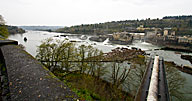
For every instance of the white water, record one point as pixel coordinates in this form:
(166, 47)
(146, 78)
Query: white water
(145, 43)
(83, 37)
(106, 41)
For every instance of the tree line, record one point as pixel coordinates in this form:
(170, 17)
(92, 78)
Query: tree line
(6, 30)
(67, 57)
(178, 17)
(181, 24)
(63, 56)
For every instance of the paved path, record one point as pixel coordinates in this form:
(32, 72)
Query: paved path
(29, 80)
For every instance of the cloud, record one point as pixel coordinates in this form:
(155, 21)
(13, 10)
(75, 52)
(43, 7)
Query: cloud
(70, 12)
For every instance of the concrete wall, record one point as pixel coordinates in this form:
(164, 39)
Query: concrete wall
(30, 80)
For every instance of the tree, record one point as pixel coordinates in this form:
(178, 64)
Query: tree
(133, 82)
(3, 28)
(81, 58)
(65, 56)
(175, 82)
(67, 53)
(45, 53)
(119, 74)
(56, 54)
(96, 67)
(2, 21)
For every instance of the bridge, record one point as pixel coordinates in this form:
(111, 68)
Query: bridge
(154, 85)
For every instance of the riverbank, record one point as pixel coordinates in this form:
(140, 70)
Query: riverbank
(123, 54)
(187, 57)
(15, 30)
(185, 69)
(112, 40)
(177, 48)
(181, 47)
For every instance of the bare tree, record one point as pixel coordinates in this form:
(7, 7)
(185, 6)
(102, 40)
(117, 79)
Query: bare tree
(119, 74)
(175, 83)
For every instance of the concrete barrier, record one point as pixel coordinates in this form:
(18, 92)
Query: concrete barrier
(154, 83)
(153, 87)
(8, 42)
(30, 80)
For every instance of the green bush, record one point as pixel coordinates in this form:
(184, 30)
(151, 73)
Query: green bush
(3, 31)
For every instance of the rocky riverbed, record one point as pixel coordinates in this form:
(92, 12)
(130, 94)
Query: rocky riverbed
(187, 57)
(111, 40)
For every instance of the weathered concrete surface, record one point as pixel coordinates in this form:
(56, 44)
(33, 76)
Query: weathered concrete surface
(29, 80)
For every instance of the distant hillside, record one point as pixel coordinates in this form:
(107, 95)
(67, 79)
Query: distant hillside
(184, 17)
(51, 28)
(182, 26)
(6, 30)
(15, 30)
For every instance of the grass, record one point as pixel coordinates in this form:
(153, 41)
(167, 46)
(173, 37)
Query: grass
(88, 87)
(84, 86)
(141, 56)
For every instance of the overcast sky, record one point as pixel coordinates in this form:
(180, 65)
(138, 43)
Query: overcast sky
(75, 12)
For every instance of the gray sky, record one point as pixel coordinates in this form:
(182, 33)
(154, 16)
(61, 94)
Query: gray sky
(75, 12)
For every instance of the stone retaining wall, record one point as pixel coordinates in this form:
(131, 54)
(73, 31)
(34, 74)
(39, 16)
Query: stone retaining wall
(30, 80)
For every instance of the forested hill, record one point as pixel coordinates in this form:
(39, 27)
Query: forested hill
(181, 24)
(40, 28)
(6, 30)
(15, 30)
(178, 17)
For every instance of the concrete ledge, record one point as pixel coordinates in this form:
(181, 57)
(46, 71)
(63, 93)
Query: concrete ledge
(29, 80)
(8, 42)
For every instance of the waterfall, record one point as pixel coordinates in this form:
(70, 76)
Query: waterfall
(106, 41)
(83, 37)
(145, 43)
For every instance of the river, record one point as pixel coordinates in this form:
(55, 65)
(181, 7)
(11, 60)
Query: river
(34, 39)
